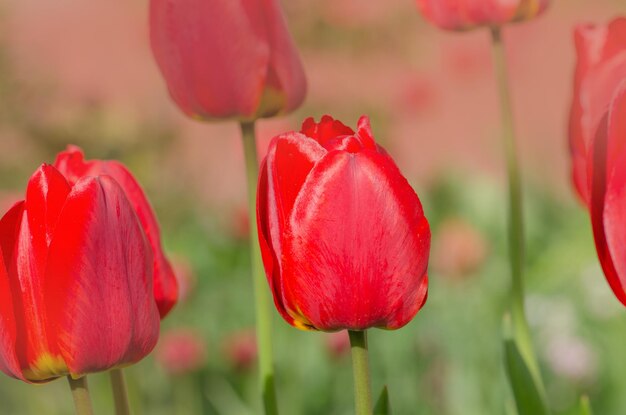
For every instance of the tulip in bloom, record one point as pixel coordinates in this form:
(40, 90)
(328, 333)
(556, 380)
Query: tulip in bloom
(600, 68)
(73, 166)
(76, 275)
(343, 235)
(469, 14)
(227, 58)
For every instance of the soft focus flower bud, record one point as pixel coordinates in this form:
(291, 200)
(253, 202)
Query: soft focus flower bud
(240, 349)
(459, 249)
(74, 167)
(468, 14)
(181, 352)
(76, 274)
(227, 58)
(600, 68)
(343, 235)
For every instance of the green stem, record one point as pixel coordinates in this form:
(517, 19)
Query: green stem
(120, 396)
(262, 299)
(515, 216)
(361, 371)
(80, 393)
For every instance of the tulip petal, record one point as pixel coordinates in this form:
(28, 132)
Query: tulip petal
(369, 270)
(72, 165)
(600, 68)
(611, 215)
(289, 160)
(285, 72)
(98, 280)
(9, 362)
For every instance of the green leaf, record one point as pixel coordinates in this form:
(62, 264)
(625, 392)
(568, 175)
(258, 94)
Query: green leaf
(528, 398)
(585, 406)
(383, 407)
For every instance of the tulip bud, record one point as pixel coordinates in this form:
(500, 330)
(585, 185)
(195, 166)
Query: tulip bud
(76, 274)
(227, 58)
(469, 14)
(181, 352)
(343, 235)
(600, 68)
(74, 167)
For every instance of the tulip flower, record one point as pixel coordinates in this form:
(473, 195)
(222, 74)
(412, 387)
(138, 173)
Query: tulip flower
(227, 58)
(607, 192)
(600, 68)
(76, 275)
(469, 14)
(74, 167)
(344, 239)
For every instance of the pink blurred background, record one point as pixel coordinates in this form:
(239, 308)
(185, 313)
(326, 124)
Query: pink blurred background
(430, 94)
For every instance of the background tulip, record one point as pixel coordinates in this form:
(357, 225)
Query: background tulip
(344, 239)
(468, 14)
(227, 58)
(608, 193)
(600, 68)
(76, 280)
(72, 164)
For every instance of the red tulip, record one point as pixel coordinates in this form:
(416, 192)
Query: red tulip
(344, 239)
(74, 167)
(227, 58)
(468, 14)
(600, 68)
(76, 275)
(608, 192)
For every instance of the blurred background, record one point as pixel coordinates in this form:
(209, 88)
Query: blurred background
(81, 72)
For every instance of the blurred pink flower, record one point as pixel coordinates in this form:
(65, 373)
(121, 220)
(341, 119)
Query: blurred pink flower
(571, 357)
(240, 349)
(459, 248)
(181, 351)
(337, 344)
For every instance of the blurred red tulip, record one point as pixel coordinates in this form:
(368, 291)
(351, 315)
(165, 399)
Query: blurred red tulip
(181, 352)
(227, 58)
(468, 14)
(608, 193)
(76, 275)
(240, 349)
(600, 68)
(74, 167)
(344, 239)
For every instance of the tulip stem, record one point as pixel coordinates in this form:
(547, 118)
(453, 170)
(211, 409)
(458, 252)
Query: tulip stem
(80, 393)
(120, 396)
(262, 299)
(361, 372)
(515, 216)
